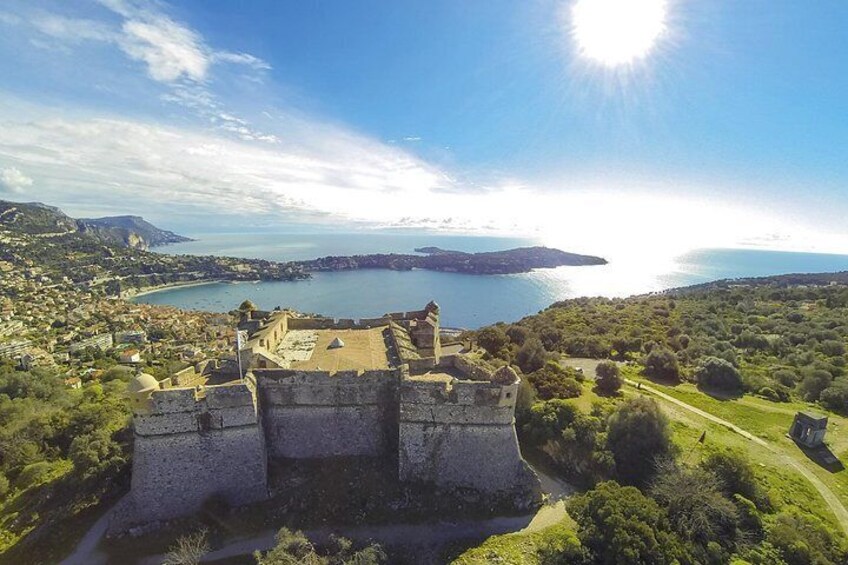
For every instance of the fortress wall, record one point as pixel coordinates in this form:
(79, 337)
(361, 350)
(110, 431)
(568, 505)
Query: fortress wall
(466, 367)
(452, 414)
(461, 434)
(190, 447)
(310, 414)
(173, 475)
(418, 366)
(482, 457)
(311, 323)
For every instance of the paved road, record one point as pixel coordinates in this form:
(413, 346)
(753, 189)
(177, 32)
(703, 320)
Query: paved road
(832, 500)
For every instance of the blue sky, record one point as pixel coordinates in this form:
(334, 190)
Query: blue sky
(463, 116)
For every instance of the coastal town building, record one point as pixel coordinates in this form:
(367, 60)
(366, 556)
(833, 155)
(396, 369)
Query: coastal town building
(319, 388)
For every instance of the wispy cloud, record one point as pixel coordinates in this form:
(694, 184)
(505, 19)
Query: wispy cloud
(13, 180)
(170, 52)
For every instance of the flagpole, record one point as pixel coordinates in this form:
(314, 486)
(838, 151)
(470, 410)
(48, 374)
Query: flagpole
(238, 354)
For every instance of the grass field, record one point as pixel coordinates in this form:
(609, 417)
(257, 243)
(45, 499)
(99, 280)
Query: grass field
(769, 421)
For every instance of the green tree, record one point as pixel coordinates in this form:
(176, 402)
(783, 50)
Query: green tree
(718, 374)
(95, 452)
(532, 355)
(661, 363)
(638, 436)
(555, 381)
(621, 526)
(696, 507)
(835, 397)
(493, 339)
(608, 377)
(813, 383)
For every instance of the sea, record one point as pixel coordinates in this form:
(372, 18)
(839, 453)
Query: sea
(467, 301)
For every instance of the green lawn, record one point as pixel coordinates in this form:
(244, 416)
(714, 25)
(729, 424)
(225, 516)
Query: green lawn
(770, 421)
(521, 548)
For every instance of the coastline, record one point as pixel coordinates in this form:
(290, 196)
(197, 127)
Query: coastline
(135, 293)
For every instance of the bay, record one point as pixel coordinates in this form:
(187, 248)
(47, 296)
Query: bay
(467, 301)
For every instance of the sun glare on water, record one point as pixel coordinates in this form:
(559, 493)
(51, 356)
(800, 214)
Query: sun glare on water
(617, 32)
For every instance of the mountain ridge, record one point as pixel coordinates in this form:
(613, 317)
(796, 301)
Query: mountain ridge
(39, 219)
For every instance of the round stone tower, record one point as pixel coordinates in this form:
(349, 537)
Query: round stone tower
(139, 391)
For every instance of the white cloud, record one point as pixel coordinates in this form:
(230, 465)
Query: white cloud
(327, 174)
(13, 180)
(242, 59)
(170, 51)
(9, 19)
(74, 30)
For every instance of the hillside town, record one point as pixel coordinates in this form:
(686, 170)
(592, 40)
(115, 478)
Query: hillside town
(66, 318)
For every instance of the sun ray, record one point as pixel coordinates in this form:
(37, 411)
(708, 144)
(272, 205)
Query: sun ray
(617, 32)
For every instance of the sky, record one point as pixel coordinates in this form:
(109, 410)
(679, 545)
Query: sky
(595, 125)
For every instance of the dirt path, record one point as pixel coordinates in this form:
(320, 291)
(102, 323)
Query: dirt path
(424, 540)
(829, 497)
(86, 551)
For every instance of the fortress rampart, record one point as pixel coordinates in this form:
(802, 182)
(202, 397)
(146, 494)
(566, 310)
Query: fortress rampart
(195, 444)
(446, 420)
(312, 414)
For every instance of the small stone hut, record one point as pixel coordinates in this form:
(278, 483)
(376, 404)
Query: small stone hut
(808, 429)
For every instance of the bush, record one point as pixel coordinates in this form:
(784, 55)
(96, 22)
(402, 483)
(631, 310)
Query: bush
(697, 509)
(835, 397)
(735, 475)
(638, 435)
(34, 474)
(813, 383)
(532, 356)
(492, 339)
(608, 377)
(785, 377)
(662, 364)
(718, 374)
(621, 525)
(776, 394)
(555, 381)
(803, 539)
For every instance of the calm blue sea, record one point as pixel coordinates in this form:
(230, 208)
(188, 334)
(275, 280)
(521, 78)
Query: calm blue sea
(466, 300)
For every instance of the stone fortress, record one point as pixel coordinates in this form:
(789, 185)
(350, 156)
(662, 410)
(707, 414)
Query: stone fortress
(316, 388)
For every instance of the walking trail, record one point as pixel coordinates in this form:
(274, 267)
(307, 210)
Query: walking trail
(424, 540)
(829, 497)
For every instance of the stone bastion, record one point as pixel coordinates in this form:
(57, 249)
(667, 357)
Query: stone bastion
(446, 420)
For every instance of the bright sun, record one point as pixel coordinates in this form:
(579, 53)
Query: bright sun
(617, 32)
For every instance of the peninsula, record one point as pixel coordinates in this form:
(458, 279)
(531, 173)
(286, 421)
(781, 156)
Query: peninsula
(519, 260)
(110, 256)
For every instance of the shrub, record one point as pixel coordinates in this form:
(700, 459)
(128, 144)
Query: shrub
(555, 381)
(621, 525)
(661, 363)
(35, 474)
(638, 435)
(814, 382)
(835, 397)
(734, 473)
(532, 356)
(697, 510)
(608, 377)
(719, 374)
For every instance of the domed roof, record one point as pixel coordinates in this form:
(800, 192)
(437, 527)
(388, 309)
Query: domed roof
(143, 383)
